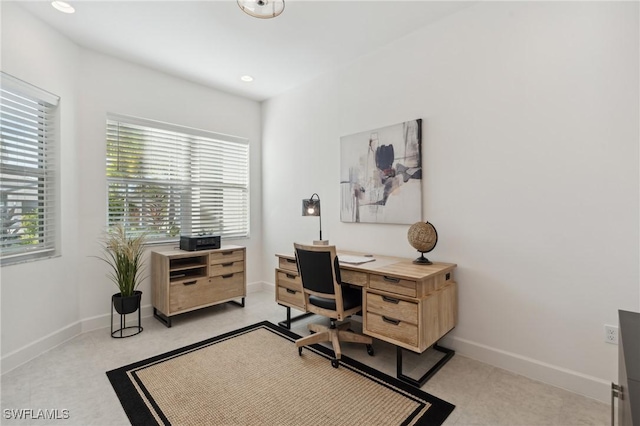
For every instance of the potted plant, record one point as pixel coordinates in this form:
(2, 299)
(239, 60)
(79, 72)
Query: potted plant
(123, 254)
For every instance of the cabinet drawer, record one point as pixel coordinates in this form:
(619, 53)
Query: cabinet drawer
(288, 280)
(392, 307)
(226, 268)
(288, 264)
(228, 286)
(392, 329)
(190, 293)
(226, 256)
(393, 285)
(290, 297)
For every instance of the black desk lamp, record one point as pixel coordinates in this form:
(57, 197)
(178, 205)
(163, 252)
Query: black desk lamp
(311, 207)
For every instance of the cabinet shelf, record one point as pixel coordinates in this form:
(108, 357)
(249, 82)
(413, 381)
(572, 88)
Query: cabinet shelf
(181, 264)
(187, 273)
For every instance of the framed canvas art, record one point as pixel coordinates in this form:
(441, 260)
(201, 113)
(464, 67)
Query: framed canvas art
(381, 175)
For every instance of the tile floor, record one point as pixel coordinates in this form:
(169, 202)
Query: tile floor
(72, 375)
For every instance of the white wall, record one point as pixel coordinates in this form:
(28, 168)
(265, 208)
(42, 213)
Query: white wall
(530, 154)
(113, 86)
(46, 302)
(39, 299)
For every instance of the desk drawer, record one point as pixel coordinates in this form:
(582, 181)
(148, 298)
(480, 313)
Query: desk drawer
(360, 279)
(288, 264)
(392, 308)
(392, 329)
(288, 280)
(393, 285)
(226, 256)
(290, 297)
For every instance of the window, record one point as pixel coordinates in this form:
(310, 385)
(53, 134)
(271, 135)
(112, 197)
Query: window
(168, 180)
(28, 144)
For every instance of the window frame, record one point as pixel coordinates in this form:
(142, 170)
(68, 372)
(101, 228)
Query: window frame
(179, 190)
(47, 144)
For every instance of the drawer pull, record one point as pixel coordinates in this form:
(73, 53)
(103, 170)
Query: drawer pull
(227, 276)
(291, 291)
(227, 253)
(290, 260)
(291, 276)
(391, 279)
(390, 299)
(390, 320)
(224, 265)
(190, 282)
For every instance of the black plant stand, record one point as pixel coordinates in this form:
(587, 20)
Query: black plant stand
(123, 326)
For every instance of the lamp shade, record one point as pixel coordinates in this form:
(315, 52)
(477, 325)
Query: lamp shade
(311, 207)
(262, 8)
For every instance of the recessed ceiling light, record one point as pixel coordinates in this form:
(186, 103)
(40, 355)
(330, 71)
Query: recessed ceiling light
(63, 6)
(246, 78)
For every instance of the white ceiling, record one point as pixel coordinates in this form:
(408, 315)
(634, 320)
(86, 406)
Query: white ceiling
(214, 43)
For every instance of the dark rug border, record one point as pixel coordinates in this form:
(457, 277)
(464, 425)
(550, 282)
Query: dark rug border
(138, 413)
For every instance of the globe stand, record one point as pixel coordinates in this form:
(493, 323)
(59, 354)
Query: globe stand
(422, 260)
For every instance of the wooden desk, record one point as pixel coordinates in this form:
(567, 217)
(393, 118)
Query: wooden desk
(411, 306)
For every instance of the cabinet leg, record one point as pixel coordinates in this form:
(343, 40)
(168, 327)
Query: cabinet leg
(162, 318)
(241, 304)
(422, 380)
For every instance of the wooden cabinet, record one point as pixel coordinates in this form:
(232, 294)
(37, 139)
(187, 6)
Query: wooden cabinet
(628, 389)
(182, 281)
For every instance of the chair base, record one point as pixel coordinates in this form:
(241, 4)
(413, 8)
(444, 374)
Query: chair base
(334, 334)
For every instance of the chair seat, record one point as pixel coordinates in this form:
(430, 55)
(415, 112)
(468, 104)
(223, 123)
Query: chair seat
(351, 298)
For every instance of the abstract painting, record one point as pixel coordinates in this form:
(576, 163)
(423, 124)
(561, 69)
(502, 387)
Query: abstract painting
(381, 175)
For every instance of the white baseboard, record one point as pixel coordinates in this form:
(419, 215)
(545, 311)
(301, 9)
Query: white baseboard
(259, 286)
(37, 348)
(563, 378)
(102, 321)
(40, 346)
(570, 380)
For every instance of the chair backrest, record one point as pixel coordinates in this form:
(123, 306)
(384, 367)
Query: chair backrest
(316, 266)
(319, 271)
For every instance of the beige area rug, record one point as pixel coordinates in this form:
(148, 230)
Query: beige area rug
(254, 376)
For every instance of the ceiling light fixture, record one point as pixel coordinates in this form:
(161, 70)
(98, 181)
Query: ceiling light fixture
(246, 78)
(262, 8)
(63, 6)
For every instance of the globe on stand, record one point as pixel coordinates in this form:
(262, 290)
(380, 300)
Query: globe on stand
(423, 237)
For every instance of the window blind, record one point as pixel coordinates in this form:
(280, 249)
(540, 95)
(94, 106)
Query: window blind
(167, 180)
(28, 203)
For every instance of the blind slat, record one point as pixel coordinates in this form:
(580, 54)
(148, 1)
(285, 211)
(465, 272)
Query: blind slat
(172, 182)
(28, 196)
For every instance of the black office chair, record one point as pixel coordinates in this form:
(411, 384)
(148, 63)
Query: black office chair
(325, 295)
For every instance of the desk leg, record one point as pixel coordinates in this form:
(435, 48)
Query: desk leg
(422, 380)
(287, 323)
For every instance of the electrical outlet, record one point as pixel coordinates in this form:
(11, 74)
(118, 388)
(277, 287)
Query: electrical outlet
(611, 334)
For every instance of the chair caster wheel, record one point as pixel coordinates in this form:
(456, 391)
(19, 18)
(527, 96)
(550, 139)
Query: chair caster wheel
(370, 350)
(335, 363)
(300, 351)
